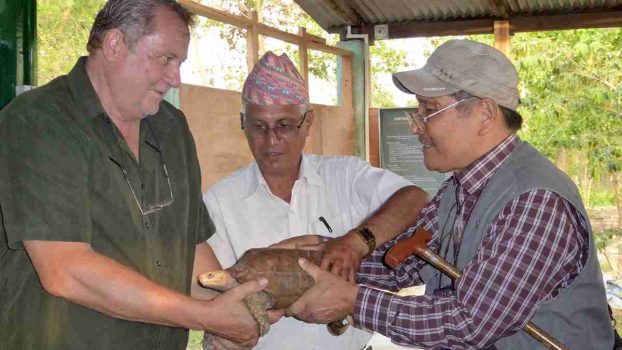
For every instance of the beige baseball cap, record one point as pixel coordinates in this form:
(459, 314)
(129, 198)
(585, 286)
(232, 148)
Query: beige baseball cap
(476, 68)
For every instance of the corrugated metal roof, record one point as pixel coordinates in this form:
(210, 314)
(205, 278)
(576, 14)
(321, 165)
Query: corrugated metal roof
(335, 14)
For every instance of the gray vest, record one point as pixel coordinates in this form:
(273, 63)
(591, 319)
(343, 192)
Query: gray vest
(578, 315)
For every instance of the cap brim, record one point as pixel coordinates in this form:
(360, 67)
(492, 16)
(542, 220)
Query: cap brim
(423, 83)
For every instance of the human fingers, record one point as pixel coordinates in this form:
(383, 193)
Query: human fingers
(230, 318)
(249, 287)
(212, 342)
(316, 246)
(336, 267)
(296, 307)
(225, 344)
(345, 272)
(352, 276)
(313, 270)
(301, 304)
(295, 242)
(331, 253)
(275, 315)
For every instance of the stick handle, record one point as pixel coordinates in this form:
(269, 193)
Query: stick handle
(418, 244)
(403, 249)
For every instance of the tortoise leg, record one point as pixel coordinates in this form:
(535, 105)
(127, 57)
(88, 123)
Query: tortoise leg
(257, 303)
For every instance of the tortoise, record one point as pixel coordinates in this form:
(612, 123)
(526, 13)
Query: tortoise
(286, 281)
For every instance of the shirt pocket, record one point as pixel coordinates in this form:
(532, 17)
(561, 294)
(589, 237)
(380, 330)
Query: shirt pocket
(339, 224)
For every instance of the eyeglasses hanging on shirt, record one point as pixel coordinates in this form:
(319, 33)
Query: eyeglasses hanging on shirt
(159, 204)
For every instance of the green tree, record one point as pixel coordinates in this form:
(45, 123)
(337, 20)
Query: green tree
(384, 61)
(572, 101)
(63, 28)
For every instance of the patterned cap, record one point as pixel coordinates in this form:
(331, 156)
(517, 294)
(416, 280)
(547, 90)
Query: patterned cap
(274, 81)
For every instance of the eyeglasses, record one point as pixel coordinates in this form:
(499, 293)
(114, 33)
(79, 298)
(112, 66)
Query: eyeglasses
(282, 130)
(155, 207)
(420, 121)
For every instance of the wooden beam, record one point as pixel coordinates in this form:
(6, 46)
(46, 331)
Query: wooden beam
(439, 28)
(329, 49)
(518, 24)
(568, 21)
(315, 38)
(502, 36)
(262, 29)
(215, 14)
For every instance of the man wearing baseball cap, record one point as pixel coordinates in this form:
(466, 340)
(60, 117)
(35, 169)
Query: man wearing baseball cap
(507, 218)
(289, 198)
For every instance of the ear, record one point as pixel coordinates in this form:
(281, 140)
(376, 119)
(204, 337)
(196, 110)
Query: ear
(489, 115)
(113, 45)
(309, 120)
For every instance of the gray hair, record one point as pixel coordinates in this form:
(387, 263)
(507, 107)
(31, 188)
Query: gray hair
(135, 18)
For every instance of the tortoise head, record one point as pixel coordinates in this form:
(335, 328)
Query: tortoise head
(219, 280)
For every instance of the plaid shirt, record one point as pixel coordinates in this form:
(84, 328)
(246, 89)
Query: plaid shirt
(534, 248)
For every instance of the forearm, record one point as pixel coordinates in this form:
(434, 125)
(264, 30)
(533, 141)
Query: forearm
(106, 286)
(423, 321)
(75, 272)
(204, 260)
(395, 216)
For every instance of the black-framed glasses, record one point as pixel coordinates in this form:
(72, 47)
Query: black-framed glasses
(282, 130)
(150, 209)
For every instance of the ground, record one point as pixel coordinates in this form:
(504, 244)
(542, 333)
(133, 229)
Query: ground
(194, 343)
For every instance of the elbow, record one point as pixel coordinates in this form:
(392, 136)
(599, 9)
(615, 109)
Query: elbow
(56, 284)
(57, 263)
(418, 197)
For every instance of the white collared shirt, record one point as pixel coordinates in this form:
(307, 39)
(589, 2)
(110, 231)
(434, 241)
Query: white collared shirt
(341, 189)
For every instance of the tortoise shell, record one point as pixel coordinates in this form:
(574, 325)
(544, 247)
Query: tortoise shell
(286, 280)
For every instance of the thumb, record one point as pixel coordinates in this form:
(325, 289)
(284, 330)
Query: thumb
(296, 308)
(249, 287)
(310, 268)
(316, 246)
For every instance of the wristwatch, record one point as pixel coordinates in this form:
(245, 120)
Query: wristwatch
(368, 237)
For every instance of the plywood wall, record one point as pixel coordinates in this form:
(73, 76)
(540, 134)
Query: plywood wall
(214, 119)
(374, 137)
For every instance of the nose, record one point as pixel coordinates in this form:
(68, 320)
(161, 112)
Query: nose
(173, 75)
(273, 137)
(415, 129)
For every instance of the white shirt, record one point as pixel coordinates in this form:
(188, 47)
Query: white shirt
(343, 190)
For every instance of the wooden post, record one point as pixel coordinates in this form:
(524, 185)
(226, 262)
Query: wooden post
(502, 36)
(303, 55)
(374, 137)
(252, 41)
(346, 82)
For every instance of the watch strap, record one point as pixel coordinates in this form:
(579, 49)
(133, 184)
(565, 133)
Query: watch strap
(369, 238)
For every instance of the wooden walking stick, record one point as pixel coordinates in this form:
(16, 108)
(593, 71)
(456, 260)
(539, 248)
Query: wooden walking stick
(418, 244)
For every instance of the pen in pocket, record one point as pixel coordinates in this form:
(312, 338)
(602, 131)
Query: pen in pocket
(321, 218)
